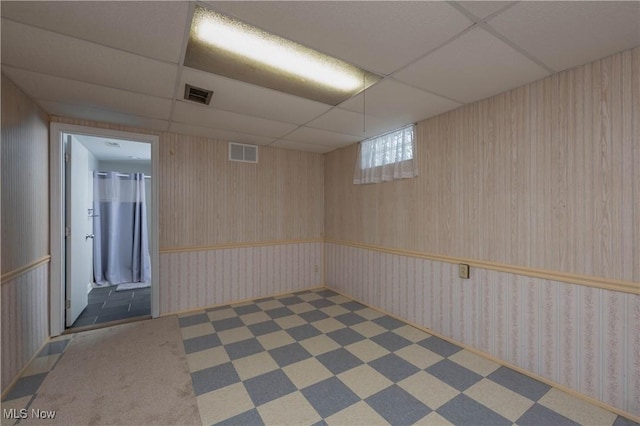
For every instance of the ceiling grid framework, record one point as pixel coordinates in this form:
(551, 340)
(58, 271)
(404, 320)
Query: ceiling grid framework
(123, 62)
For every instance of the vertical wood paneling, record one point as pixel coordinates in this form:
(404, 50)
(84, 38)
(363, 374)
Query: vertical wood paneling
(634, 202)
(550, 324)
(25, 228)
(632, 352)
(500, 317)
(590, 340)
(24, 320)
(544, 176)
(581, 337)
(486, 334)
(190, 280)
(532, 326)
(206, 200)
(515, 325)
(210, 200)
(568, 336)
(614, 322)
(25, 179)
(626, 160)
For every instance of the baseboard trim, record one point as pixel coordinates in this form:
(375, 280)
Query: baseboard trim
(235, 302)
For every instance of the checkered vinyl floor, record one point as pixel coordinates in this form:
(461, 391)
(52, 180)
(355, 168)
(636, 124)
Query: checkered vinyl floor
(316, 357)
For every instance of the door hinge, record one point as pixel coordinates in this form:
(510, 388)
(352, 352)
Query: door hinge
(68, 304)
(67, 157)
(67, 231)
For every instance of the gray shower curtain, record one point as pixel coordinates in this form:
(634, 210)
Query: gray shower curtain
(121, 244)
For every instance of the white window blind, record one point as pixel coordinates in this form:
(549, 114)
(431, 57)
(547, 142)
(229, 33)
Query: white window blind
(387, 157)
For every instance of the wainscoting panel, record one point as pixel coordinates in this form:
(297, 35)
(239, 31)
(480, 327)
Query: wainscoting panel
(25, 179)
(24, 319)
(195, 279)
(581, 337)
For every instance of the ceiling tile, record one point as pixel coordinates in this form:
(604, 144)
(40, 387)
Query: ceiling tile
(74, 110)
(236, 96)
(206, 116)
(51, 53)
(100, 148)
(208, 132)
(299, 146)
(482, 9)
(407, 104)
(321, 137)
(343, 121)
(474, 66)
(57, 89)
(378, 36)
(569, 34)
(152, 29)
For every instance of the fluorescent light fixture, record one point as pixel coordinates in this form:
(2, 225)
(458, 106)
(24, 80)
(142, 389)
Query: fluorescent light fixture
(278, 53)
(223, 45)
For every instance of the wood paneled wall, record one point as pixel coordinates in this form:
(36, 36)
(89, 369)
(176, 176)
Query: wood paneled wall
(25, 179)
(25, 229)
(207, 201)
(583, 338)
(545, 176)
(196, 279)
(25, 320)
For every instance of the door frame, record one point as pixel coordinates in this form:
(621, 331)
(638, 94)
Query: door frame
(57, 217)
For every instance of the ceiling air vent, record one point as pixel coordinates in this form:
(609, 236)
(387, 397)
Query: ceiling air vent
(243, 152)
(198, 95)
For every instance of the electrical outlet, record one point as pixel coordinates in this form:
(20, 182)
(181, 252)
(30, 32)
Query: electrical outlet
(463, 270)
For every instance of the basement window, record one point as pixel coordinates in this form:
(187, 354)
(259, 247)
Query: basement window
(387, 157)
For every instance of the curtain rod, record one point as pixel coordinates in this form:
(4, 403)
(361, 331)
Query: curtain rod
(121, 175)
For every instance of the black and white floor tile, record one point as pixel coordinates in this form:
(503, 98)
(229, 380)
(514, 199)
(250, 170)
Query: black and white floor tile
(317, 357)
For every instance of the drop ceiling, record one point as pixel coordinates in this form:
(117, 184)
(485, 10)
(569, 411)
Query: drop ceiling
(122, 62)
(106, 149)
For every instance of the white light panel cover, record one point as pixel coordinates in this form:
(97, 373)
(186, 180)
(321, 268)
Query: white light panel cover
(226, 46)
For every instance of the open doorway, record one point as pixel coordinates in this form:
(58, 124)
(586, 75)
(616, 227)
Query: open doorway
(103, 198)
(108, 268)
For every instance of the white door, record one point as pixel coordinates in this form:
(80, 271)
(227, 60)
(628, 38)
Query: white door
(79, 242)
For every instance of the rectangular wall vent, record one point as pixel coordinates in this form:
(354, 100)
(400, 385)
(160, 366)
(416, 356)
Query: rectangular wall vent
(243, 152)
(196, 94)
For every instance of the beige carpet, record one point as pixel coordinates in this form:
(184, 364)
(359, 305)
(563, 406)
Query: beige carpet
(131, 374)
